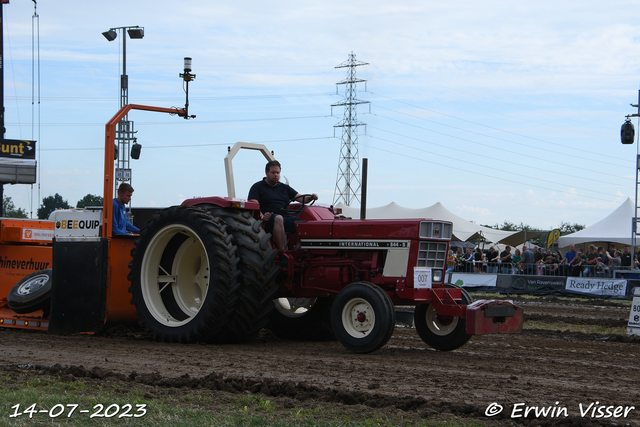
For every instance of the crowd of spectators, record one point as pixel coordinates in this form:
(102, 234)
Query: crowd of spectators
(596, 262)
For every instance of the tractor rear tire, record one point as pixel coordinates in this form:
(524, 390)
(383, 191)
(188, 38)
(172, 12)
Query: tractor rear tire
(184, 275)
(363, 317)
(257, 286)
(304, 319)
(31, 293)
(444, 333)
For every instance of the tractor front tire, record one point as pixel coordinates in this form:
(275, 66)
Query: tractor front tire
(444, 333)
(363, 317)
(31, 293)
(184, 275)
(304, 319)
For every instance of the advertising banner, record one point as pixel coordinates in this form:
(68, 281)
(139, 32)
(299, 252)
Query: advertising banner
(633, 327)
(471, 280)
(18, 152)
(537, 283)
(597, 286)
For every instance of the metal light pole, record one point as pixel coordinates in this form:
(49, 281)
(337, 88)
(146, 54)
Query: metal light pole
(124, 132)
(627, 133)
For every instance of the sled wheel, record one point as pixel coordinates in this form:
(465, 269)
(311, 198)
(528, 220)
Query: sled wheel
(444, 333)
(257, 268)
(363, 317)
(184, 275)
(302, 319)
(31, 293)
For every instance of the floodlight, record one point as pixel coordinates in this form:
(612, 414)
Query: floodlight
(627, 132)
(135, 151)
(110, 35)
(136, 33)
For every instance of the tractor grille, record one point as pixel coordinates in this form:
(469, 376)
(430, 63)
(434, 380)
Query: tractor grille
(436, 230)
(432, 254)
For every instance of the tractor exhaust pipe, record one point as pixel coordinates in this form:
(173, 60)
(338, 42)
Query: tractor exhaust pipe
(363, 190)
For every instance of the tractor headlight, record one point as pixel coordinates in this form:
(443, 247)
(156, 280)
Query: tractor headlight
(436, 276)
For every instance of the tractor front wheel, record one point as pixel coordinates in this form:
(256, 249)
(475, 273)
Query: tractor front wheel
(184, 275)
(444, 333)
(363, 317)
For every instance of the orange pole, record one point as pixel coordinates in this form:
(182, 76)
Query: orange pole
(109, 153)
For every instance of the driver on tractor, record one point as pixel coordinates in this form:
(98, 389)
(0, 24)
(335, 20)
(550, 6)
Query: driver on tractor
(274, 197)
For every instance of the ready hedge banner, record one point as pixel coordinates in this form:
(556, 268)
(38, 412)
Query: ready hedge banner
(596, 286)
(469, 280)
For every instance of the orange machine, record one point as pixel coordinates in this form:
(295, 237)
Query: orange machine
(88, 286)
(25, 248)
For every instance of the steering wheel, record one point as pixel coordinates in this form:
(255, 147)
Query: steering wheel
(295, 212)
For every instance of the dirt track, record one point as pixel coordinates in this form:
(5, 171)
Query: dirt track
(537, 368)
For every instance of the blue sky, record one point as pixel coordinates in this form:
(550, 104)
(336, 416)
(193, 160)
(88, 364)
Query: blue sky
(501, 111)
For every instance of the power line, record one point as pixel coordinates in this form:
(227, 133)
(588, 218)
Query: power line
(467, 121)
(173, 123)
(530, 184)
(150, 147)
(502, 149)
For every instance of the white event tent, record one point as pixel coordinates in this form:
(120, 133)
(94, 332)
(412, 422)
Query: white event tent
(463, 230)
(615, 228)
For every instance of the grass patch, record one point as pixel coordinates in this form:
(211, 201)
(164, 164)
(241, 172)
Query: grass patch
(28, 392)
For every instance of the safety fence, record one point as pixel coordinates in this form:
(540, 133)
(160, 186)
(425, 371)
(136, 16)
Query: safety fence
(538, 269)
(619, 287)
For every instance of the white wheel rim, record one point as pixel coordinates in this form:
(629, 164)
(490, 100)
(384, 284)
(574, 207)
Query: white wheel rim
(294, 307)
(187, 279)
(441, 326)
(358, 317)
(33, 285)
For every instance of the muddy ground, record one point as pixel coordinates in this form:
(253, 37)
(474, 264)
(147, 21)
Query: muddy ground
(566, 371)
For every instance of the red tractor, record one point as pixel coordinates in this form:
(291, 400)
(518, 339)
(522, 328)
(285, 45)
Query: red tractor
(206, 271)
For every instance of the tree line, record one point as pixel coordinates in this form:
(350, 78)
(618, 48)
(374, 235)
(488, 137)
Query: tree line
(49, 204)
(565, 227)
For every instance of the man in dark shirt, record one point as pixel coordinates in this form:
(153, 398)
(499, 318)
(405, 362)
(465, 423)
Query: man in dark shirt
(591, 262)
(625, 258)
(274, 197)
(506, 258)
(538, 256)
(492, 260)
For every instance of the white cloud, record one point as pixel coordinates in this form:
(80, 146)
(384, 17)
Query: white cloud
(502, 110)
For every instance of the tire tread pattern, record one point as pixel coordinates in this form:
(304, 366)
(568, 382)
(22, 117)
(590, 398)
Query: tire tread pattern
(258, 271)
(220, 300)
